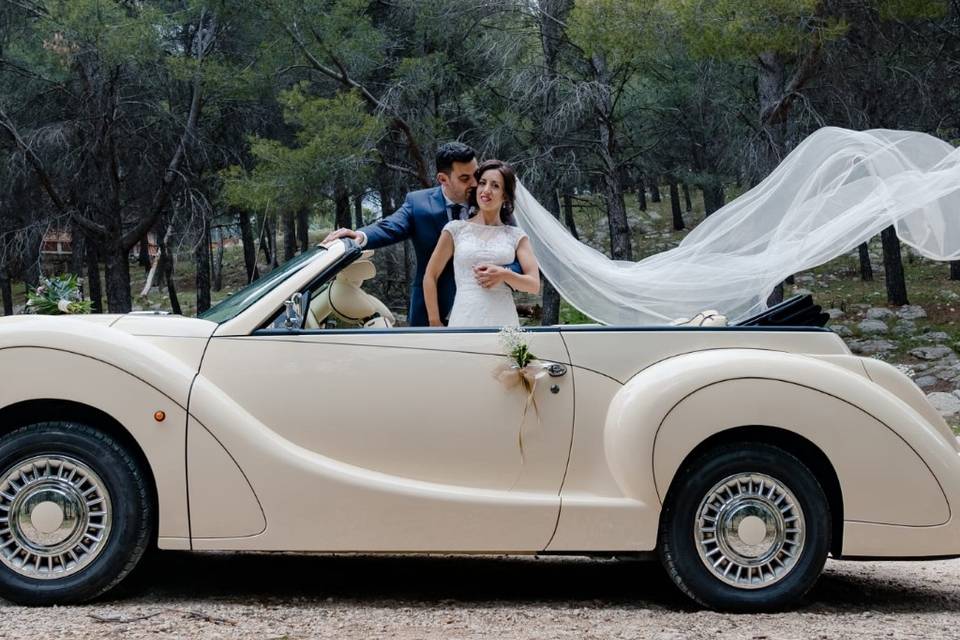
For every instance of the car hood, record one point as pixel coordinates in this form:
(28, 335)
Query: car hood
(165, 326)
(183, 338)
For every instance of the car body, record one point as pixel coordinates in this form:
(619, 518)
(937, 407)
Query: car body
(241, 433)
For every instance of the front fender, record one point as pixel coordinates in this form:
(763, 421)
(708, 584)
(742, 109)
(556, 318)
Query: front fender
(116, 373)
(892, 464)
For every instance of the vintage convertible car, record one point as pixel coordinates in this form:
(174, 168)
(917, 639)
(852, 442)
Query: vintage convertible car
(293, 416)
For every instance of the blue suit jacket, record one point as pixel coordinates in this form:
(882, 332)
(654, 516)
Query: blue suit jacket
(421, 218)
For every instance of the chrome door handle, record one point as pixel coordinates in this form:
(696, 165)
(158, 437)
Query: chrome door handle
(556, 370)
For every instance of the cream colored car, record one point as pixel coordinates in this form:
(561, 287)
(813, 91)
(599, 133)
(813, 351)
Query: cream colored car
(741, 455)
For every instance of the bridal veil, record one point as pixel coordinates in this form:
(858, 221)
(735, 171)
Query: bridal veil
(836, 189)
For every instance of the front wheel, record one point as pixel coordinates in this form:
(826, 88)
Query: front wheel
(76, 514)
(745, 527)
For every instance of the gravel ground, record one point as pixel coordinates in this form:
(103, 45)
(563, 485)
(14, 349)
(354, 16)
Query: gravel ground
(263, 596)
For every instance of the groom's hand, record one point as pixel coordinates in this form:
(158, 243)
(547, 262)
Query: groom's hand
(489, 275)
(343, 233)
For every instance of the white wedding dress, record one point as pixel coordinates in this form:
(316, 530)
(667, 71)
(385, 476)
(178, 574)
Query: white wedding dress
(477, 243)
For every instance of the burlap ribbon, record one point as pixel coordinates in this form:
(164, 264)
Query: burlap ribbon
(510, 376)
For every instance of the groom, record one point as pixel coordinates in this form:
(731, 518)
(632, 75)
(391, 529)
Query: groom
(421, 219)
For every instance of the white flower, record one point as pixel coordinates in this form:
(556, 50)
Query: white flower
(63, 305)
(511, 338)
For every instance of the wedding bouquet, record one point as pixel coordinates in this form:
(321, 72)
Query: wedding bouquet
(512, 340)
(523, 370)
(58, 295)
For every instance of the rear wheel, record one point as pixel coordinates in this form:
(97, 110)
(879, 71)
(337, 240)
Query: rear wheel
(745, 527)
(76, 514)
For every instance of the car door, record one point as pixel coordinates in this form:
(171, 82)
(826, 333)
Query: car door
(392, 439)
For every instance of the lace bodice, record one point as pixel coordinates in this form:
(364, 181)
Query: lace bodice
(476, 243)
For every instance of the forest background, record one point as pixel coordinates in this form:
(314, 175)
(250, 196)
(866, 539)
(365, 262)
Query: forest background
(150, 131)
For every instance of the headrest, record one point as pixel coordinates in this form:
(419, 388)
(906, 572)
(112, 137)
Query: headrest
(357, 272)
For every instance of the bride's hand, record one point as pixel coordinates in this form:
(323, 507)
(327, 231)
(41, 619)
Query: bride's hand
(436, 322)
(489, 275)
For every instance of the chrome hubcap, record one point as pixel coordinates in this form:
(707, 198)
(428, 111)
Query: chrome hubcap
(55, 516)
(749, 530)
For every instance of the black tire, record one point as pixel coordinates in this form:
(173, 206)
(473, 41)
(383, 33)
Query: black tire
(680, 548)
(131, 514)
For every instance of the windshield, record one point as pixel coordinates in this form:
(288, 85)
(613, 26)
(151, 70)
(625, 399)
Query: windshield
(234, 305)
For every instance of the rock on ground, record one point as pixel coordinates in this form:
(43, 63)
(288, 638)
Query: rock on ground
(911, 312)
(948, 404)
(871, 347)
(879, 313)
(931, 353)
(871, 327)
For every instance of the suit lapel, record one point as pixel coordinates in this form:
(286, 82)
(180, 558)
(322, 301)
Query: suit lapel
(438, 207)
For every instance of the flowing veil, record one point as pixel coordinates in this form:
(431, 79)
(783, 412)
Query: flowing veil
(838, 188)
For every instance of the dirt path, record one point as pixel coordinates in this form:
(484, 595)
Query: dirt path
(279, 596)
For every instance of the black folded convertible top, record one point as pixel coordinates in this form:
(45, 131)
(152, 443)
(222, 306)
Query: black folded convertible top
(798, 311)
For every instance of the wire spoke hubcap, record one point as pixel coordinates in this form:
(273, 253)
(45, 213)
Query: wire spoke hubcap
(749, 530)
(55, 516)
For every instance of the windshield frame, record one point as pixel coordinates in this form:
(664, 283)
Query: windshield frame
(238, 302)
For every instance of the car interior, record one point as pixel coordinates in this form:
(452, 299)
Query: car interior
(341, 303)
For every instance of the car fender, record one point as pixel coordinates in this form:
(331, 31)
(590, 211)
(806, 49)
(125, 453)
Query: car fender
(667, 410)
(120, 375)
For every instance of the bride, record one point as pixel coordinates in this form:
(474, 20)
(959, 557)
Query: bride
(478, 245)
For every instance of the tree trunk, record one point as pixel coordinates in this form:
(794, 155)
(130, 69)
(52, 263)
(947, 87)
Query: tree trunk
(866, 269)
(289, 235)
(620, 248)
(955, 269)
(166, 267)
(550, 313)
(553, 16)
(358, 211)
(144, 256)
(249, 246)
(568, 215)
(117, 273)
(78, 244)
(6, 293)
(265, 240)
(30, 256)
(771, 79)
(202, 256)
(893, 268)
(642, 196)
(218, 264)
(675, 205)
(342, 207)
(94, 290)
(303, 229)
(655, 190)
(686, 197)
(612, 186)
(272, 238)
(712, 198)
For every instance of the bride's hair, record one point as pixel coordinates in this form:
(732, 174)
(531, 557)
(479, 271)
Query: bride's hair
(509, 188)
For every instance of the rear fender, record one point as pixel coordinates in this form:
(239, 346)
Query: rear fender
(665, 412)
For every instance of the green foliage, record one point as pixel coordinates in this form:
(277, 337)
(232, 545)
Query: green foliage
(742, 29)
(909, 10)
(335, 141)
(625, 32)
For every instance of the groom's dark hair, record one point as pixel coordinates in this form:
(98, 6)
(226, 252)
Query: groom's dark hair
(451, 152)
